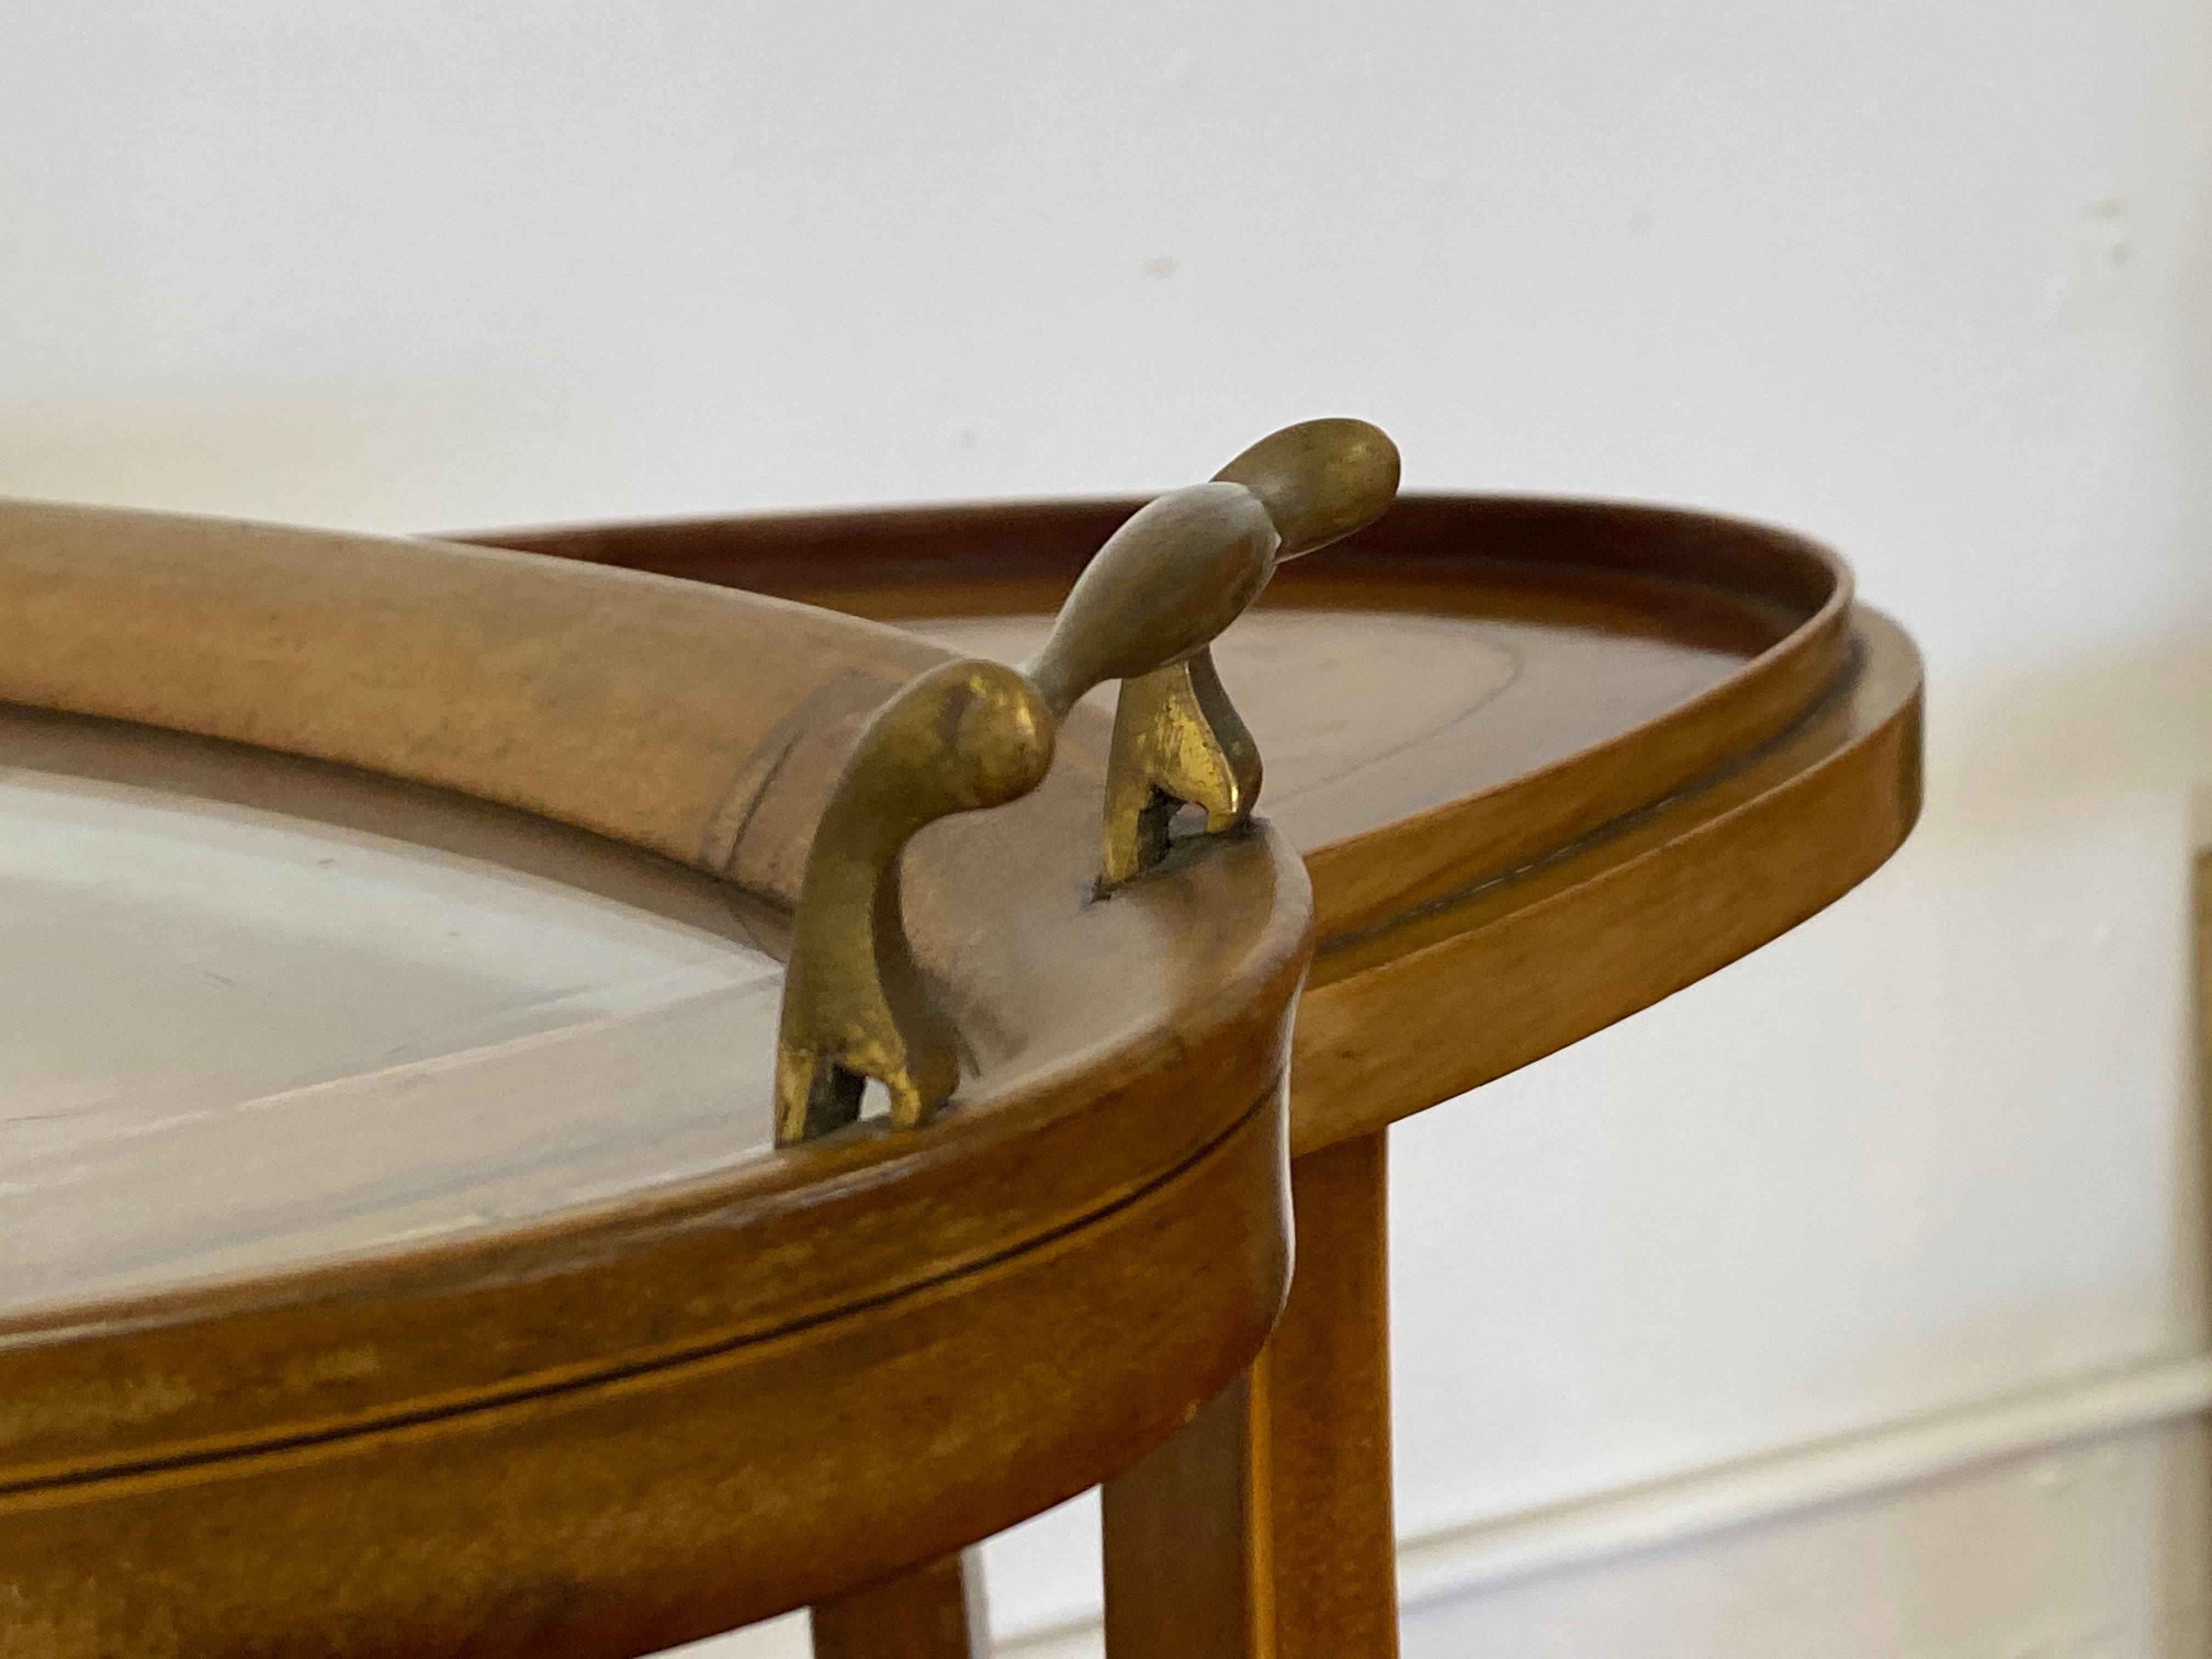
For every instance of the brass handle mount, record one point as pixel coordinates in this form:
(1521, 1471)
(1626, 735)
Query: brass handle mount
(972, 734)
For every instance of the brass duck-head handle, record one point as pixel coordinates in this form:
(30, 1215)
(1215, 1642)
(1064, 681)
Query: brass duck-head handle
(963, 736)
(1319, 480)
(1178, 740)
(1187, 565)
(975, 734)
(1178, 572)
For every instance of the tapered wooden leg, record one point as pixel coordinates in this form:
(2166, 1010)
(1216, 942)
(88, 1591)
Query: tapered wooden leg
(1263, 1530)
(934, 1612)
(1328, 1433)
(1187, 1536)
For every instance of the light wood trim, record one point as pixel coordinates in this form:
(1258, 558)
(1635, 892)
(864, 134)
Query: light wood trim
(597, 697)
(1527, 916)
(1327, 1433)
(1788, 597)
(1187, 1536)
(1263, 1530)
(629, 1515)
(1399, 1021)
(721, 1398)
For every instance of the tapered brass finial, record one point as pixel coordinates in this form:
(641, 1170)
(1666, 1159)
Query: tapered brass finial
(963, 736)
(1320, 480)
(1178, 572)
(1178, 738)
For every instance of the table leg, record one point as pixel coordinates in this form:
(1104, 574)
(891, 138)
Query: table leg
(933, 1611)
(1335, 1547)
(1187, 1534)
(1263, 1530)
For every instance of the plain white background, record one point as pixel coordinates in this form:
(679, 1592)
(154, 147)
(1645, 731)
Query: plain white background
(1926, 277)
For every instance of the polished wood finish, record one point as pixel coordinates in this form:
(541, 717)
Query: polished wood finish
(1620, 745)
(1186, 1536)
(728, 1393)
(935, 1611)
(1263, 1530)
(627, 1515)
(1547, 762)
(1327, 1431)
(1610, 924)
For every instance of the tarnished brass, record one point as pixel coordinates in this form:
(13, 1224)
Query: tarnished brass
(1177, 738)
(975, 734)
(966, 735)
(1182, 569)
(1320, 480)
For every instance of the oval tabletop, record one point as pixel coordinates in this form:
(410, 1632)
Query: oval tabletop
(1547, 761)
(395, 1255)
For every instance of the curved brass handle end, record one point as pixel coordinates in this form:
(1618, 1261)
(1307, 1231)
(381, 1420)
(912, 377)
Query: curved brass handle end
(1179, 571)
(975, 734)
(964, 736)
(1178, 740)
(1320, 480)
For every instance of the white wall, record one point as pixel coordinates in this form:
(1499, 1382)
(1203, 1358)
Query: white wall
(1926, 277)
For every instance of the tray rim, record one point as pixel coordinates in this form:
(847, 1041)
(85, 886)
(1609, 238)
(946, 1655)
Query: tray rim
(1792, 780)
(876, 554)
(652, 1280)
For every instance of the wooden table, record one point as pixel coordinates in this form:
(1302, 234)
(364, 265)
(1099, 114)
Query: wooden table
(1547, 762)
(395, 1255)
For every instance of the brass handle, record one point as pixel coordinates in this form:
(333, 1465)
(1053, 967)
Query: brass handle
(976, 734)
(1178, 739)
(1182, 569)
(963, 736)
(1320, 480)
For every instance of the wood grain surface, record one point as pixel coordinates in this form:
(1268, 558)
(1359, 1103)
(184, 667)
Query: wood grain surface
(1326, 1434)
(599, 1427)
(1186, 1539)
(1263, 1530)
(935, 1611)
(1547, 761)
